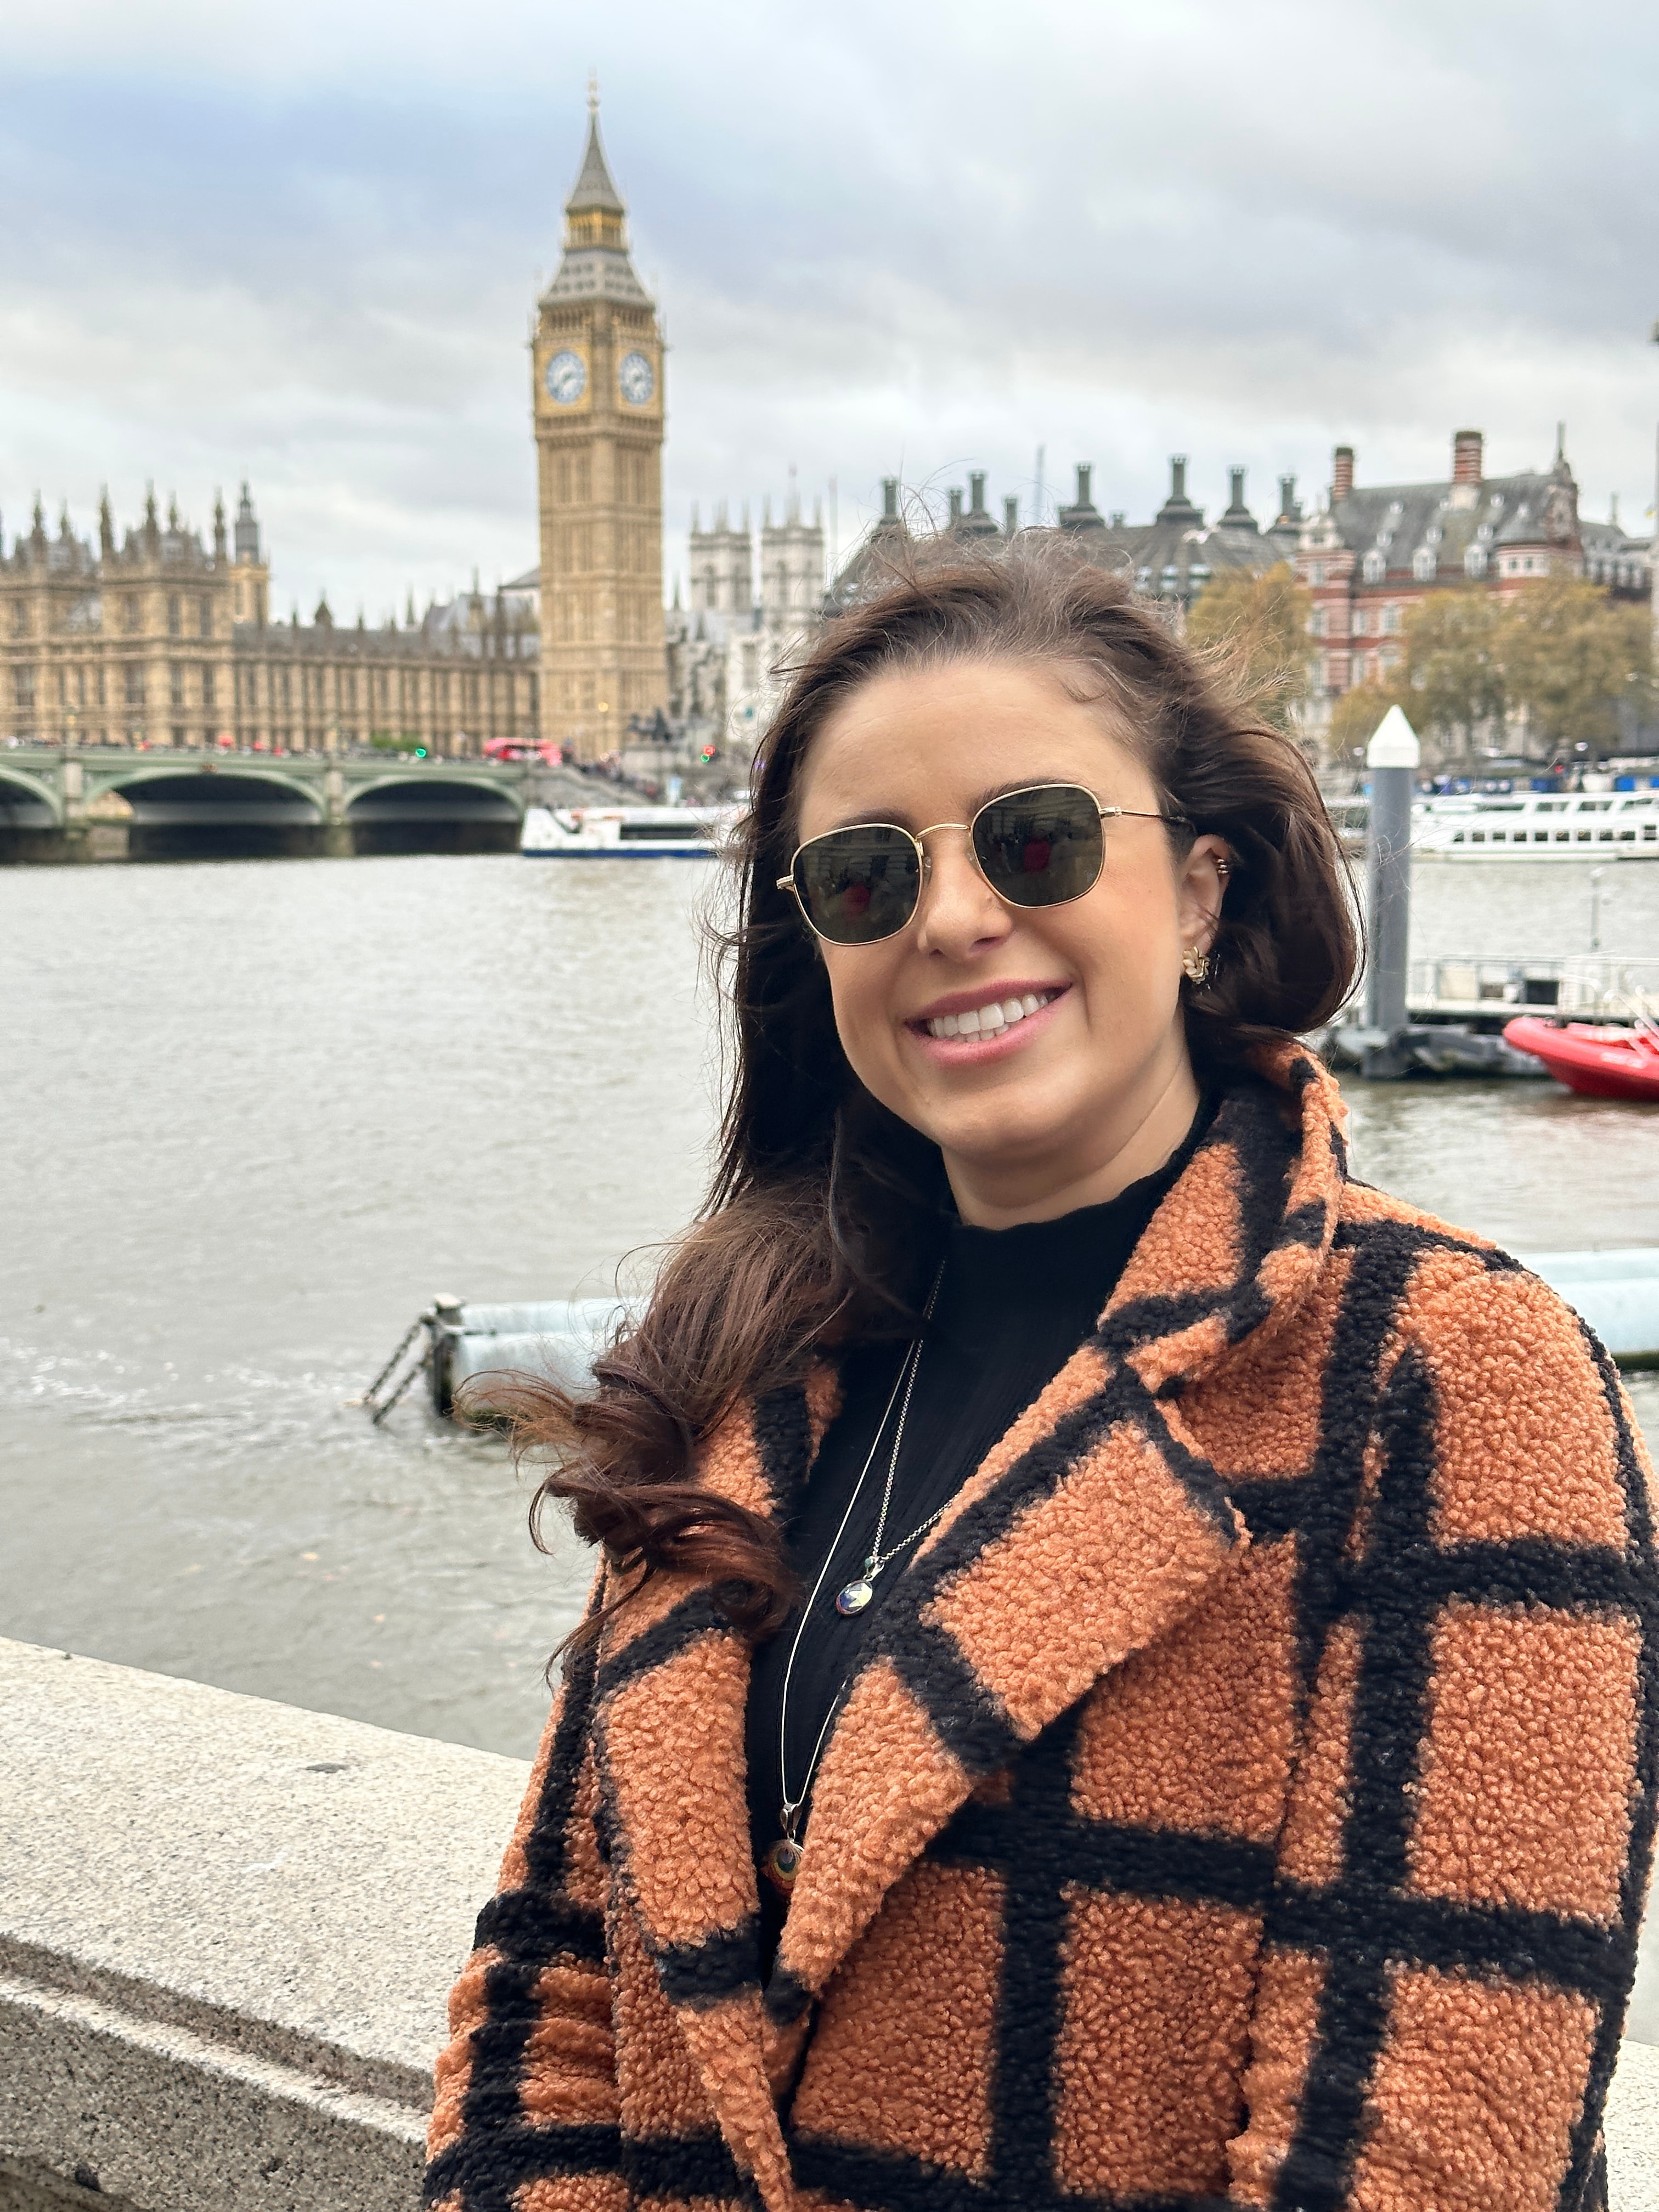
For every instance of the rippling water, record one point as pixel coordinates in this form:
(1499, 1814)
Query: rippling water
(257, 1114)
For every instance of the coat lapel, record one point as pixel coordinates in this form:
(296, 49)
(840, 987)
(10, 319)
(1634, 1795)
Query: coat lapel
(1091, 1528)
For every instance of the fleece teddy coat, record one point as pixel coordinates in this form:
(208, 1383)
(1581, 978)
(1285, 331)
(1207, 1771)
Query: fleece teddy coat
(1245, 1798)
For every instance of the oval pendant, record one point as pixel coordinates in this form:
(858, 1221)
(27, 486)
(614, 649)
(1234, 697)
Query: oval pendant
(856, 1595)
(782, 1864)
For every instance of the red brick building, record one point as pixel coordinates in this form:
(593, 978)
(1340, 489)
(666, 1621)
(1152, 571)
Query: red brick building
(1371, 552)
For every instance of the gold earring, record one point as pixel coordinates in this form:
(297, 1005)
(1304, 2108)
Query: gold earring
(1195, 964)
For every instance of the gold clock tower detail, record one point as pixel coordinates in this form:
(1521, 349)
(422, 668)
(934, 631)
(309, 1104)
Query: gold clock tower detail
(598, 403)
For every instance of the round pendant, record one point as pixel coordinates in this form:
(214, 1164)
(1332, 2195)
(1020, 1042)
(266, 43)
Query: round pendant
(856, 1595)
(782, 1864)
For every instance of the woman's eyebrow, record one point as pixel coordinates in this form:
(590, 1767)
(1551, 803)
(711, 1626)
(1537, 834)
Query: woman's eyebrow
(863, 818)
(1023, 783)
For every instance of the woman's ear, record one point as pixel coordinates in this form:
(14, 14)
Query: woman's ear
(1201, 889)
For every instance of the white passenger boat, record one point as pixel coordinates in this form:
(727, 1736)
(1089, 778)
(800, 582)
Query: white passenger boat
(1539, 825)
(626, 833)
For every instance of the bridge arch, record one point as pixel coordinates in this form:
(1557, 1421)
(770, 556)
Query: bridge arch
(31, 814)
(222, 810)
(436, 809)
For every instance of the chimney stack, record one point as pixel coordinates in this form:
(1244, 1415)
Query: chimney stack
(1466, 453)
(1010, 513)
(1342, 473)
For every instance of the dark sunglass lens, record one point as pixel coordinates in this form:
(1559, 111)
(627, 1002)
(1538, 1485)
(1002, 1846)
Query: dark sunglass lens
(858, 886)
(1039, 847)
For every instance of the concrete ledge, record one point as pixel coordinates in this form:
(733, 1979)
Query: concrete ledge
(227, 1931)
(226, 1928)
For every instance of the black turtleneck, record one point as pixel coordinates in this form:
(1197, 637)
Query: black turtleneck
(1013, 1305)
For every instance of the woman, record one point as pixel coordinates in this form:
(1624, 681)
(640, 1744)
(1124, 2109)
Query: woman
(1121, 1669)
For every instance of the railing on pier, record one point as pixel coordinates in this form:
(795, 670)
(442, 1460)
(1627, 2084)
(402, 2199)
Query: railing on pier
(1589, 986)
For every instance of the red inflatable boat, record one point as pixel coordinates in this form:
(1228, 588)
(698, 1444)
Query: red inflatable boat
(1594, 1057)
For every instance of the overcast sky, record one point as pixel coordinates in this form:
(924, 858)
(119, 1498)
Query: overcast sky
(300, 244)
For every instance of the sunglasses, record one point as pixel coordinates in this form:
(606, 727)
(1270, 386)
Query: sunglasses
(1040, 846)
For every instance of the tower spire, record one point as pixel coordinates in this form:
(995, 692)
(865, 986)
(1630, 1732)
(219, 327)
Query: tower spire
(594, 191)
(595, 259)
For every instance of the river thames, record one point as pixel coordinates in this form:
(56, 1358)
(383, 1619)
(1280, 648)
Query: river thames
(257, 1114)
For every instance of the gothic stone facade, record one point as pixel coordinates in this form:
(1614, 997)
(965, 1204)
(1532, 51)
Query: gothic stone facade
(162, 640)
(727, 651)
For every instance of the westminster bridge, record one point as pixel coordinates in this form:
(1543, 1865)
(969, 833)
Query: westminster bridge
(117, 803)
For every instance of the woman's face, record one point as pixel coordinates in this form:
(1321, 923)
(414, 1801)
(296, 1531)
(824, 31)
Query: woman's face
(1067, 1104)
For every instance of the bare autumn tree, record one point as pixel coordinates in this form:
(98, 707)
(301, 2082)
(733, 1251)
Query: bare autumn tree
(1260, 625)
(1572, 658)
(1559, 659)
(1453, 667)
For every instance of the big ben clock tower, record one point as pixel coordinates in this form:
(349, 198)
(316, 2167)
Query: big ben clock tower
(598, 403)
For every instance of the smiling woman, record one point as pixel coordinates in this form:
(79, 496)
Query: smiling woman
(1121, 1668)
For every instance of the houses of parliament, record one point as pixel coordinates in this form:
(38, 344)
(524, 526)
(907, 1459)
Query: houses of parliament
(161, 635)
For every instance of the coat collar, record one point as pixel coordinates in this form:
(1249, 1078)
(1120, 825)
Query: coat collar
(1087, 1532)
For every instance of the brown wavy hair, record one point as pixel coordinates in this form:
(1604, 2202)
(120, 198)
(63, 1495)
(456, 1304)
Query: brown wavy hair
(824, 1204)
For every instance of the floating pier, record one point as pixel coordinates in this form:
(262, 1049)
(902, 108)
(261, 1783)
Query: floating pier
(488, 1347)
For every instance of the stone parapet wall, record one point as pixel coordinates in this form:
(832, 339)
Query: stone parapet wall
(227, 1931)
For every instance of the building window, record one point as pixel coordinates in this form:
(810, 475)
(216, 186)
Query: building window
(1316, 623)
(19, 619)
(1423, 564)
(22, 686)
(1377, 567)
(1316, 574)
(1475, 561)
(207, 699)
(175, 615)
(176, 684)
(134, 691)
(205, 617)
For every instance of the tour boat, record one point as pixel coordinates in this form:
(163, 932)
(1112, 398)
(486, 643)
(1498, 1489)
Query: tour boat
(1538, 825)
(626, 833)
(1599, 1059)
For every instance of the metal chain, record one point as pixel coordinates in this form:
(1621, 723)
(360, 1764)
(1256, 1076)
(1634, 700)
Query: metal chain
(374, 1389)
(382, 1410)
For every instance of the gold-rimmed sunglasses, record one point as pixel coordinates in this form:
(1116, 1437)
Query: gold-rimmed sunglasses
(1042, 846)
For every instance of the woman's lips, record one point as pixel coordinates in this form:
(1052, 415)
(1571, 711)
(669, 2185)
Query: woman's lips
(987, 1028)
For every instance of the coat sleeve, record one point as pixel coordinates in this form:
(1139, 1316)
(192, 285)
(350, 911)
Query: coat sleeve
(1451, 1939)
(526, 2088)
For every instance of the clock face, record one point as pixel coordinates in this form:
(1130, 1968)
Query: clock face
(565, 378)
(637, 378)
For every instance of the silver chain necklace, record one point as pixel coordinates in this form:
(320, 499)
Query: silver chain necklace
(782, 1863)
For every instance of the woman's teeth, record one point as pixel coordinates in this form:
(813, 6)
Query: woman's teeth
(990, 1020)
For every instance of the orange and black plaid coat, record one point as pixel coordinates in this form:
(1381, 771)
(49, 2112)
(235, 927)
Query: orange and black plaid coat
(1246, 1796)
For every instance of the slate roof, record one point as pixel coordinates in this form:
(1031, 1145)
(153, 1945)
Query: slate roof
(594, 187)
(594, 269)
(1394, 529)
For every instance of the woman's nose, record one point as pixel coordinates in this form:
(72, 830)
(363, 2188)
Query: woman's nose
(959, 911)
